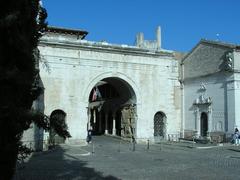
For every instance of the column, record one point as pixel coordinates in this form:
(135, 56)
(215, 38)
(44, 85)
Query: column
(114, 125)
(94, 115)
(89, 118)
(229, 122)
(198, 128)
(100, 122)
(93, 123)
(236, 102)
(106, 123)
(210, 124)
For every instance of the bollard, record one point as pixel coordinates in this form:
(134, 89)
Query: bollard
(133, 148)
(119, 145)
(193, 142)
(148, 144)
(93, 148)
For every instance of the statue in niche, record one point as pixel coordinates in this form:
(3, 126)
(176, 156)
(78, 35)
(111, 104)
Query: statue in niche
(128, 122)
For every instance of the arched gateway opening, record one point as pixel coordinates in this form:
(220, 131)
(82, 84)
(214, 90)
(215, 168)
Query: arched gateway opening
(112, 108)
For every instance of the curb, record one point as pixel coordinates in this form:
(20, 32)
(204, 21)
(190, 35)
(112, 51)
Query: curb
(194, 145)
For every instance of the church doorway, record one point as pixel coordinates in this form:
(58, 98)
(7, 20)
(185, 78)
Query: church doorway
(204, 124)
(112, 108)
(160, 125)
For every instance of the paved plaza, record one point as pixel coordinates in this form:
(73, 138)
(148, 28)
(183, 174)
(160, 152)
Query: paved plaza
(112, 158)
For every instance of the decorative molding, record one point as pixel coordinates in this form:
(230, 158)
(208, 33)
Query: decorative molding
(202, 100)
(202, 87)
(230, 85)
(97, 47)
(229, 65)
(237, 84)
(233, 85)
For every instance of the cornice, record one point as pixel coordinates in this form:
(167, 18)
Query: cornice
(108, 48)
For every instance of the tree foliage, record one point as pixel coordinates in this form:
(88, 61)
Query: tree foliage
(21, 25)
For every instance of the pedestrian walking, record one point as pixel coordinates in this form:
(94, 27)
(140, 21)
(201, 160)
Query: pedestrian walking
(236, 137)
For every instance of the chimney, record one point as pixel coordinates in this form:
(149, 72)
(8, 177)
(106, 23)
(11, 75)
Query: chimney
(158, 36)
(140, 39)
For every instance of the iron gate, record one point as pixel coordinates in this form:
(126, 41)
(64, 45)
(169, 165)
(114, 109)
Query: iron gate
(159, 124)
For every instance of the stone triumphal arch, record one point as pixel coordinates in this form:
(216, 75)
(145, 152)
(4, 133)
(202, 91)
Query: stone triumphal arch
(114, 89)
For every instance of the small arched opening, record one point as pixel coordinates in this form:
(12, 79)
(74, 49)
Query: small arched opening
(58, 118)
(160, 125)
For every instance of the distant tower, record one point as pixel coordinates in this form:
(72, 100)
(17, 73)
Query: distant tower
(158, 37)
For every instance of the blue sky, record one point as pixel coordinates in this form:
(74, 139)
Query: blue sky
(183, 22)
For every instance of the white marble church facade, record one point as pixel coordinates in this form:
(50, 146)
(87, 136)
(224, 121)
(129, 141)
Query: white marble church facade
(211, 89)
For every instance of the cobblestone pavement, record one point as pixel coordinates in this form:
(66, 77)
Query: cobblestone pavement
(111, 158)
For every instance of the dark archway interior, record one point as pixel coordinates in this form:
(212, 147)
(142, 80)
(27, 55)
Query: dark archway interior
(106, 101)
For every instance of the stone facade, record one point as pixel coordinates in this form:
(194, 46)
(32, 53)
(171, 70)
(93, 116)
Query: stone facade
(210, 89)
(70, 68)
(96, 83)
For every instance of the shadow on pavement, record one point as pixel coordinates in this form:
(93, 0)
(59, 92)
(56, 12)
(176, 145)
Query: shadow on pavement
(59, 165)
